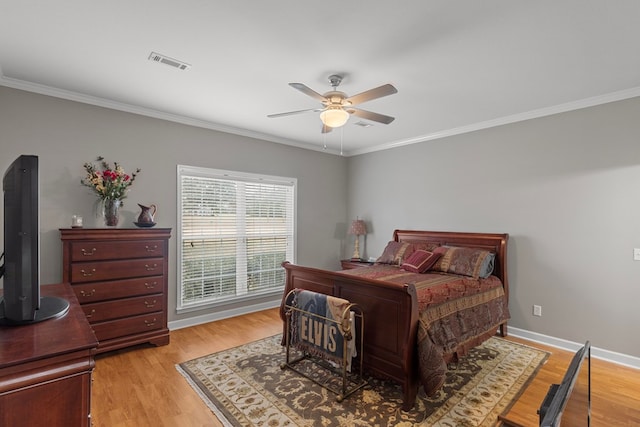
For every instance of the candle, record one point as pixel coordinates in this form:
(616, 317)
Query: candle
(76, 221)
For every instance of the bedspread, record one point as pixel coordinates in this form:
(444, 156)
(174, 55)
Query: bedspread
(456, 313)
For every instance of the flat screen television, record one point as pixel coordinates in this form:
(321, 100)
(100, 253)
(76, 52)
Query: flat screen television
(568, 404)
(20, 302)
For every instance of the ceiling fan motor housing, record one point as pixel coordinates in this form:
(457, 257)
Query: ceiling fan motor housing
(335, 97)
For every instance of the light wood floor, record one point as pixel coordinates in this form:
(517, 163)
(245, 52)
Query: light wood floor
(141, 387)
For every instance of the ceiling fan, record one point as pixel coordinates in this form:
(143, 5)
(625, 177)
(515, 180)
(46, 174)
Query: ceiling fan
(337, 106)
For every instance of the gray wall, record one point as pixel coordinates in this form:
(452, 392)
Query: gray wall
(65, 134)
(566, 189)
(563, 187)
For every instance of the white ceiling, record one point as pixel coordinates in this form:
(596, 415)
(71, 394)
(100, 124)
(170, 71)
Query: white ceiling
(457, 65)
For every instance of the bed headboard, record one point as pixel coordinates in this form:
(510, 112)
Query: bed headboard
(493, 242)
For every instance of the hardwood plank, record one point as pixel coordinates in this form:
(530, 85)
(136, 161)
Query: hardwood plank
(615, 390)
(141, 387)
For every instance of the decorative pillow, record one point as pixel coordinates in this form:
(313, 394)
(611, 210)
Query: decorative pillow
(425, 246)
(420, 261)
(466, 261)
(395, 252)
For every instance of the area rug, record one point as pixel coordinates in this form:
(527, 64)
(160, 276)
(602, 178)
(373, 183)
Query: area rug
(244, 386)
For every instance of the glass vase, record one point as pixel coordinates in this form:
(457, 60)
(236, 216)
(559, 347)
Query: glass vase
(111, 212)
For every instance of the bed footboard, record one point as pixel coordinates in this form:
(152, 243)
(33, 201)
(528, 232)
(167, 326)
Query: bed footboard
(389, 345)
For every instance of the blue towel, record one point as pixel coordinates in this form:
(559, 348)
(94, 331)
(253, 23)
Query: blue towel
(320, 335)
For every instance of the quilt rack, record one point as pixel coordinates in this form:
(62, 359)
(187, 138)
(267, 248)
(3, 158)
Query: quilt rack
(322, 328)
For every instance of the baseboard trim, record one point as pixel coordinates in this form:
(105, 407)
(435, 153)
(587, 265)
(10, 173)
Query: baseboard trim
(224, 314)
(599, 353)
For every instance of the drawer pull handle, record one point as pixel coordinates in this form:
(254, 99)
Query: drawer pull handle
(150, 323)
(87, 273)
(89, 315)
(151, 267)
(150, 285)
(88, 294)
(151, 248)
(89, 252)
(150, 304)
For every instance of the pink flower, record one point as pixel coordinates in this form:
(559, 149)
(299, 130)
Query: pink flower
(108, 181)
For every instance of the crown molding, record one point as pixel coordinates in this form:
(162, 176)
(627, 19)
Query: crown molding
(534, 114)
(148, 112)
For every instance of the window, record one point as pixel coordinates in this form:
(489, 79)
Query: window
(235, 231)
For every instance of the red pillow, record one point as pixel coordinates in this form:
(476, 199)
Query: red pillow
(420, 261)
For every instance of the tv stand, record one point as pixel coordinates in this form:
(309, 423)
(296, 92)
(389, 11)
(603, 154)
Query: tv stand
(50, 308)
(46, 367)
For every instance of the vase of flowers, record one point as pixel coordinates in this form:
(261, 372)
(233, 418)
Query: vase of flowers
(111, 184)
(111, 212)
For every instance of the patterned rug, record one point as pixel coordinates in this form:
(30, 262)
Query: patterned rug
(244, 386)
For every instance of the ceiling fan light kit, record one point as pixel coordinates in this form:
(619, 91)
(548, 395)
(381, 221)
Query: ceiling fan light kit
(337, 106)
(334, 117)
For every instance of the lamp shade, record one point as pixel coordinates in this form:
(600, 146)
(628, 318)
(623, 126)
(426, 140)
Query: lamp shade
(358, 227)
(334, 117)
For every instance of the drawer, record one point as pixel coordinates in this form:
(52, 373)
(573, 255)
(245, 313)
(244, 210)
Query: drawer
(101, 311)
(123, 269)
(102, 291)
(89, 251)
(131, 325)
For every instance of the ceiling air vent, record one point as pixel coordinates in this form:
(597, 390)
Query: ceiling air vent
(363, 124)
(157, 57)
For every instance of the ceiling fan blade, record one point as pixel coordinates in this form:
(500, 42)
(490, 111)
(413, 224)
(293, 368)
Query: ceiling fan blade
(308, 91)
(290, 113)
(369, 115)
(326, 129)
(370, 94)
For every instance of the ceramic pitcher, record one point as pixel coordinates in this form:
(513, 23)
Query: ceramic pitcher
(147, 214)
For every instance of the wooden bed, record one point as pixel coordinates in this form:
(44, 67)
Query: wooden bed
(390, 310)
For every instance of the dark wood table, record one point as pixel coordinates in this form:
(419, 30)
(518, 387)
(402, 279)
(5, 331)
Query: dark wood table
(46, 367)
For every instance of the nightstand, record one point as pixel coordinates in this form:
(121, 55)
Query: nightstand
(348, 264)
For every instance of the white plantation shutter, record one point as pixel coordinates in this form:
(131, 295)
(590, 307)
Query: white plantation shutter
(235, 230)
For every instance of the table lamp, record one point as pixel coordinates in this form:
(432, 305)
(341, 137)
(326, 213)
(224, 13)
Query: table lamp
(358, 228)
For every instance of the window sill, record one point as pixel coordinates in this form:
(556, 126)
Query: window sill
(231, 301)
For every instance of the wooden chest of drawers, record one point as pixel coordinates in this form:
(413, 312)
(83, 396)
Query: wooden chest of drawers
(120, 278)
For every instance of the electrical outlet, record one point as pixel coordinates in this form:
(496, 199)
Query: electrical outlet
(636, 254)
(537, 310)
